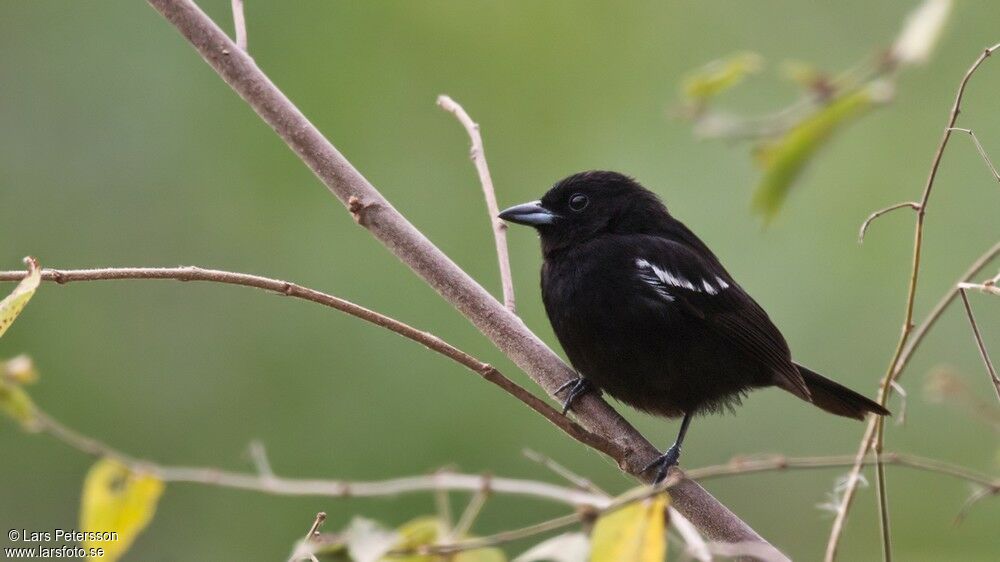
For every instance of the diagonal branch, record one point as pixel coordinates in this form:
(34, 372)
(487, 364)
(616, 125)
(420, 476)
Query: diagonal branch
(990, 369)
(919, 333)
(428, 340)
(371, 210)
(874, 434)
(478, 155)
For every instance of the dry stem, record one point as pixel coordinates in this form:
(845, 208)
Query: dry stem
(874, 434)
(979, 343)
(478, 155)
(428, 340)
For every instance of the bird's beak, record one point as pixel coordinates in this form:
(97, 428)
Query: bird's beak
(531, 214)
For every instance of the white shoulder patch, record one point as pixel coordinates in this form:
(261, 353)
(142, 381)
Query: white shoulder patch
(659, 278)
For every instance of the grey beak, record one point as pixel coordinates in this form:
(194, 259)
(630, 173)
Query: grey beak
(531, 214)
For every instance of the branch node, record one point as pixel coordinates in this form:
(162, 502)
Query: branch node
(359, 209)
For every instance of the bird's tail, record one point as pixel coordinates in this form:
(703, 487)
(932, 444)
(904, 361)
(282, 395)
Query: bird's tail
(838, 399)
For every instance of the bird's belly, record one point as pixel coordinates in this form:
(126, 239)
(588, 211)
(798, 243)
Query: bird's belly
(662, 365)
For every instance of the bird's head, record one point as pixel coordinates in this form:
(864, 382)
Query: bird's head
(589, 204)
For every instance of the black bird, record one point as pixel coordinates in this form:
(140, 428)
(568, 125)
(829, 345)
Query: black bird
(646, 312)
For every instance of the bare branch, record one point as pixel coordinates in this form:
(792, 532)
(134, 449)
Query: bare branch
(975, 498)
(988, 286)
(240, 23)
(900, 365)
(876, 427)
(258, 454)
(285, 288)
(979, 343)
(317, 523)
(472, 511)
(981, 150)
(478, 155)
(672, 480)
(589, 504)
(565, 473)
(743, 465)
(871, 218)
(277, 485)
(632, 451)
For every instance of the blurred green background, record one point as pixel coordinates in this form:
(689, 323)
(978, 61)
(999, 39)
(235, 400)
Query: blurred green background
(119, 146)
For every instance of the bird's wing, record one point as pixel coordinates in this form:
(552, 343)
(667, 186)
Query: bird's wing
(700, 287)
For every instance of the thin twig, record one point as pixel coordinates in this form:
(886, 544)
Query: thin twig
(472, 511)
(871, 218)
(258, 454)
(442, 502)
(973, 499)
(917, 338)
(903, 400)
(876, 427)
(478, 155)
(981, 150)
(432, 342)
(745, 466)
(277, 485)
(979, 343)
(632, 451)
(317, 523)
(304, 549)
(240, 23)
(551, 525)
(989, 286)
(567, 474)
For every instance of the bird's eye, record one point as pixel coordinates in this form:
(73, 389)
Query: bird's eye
(578, 202)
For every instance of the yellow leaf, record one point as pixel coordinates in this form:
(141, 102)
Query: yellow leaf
(117, 501)
(720, 75)
(11, 306)
(784, 158)
(634, 533)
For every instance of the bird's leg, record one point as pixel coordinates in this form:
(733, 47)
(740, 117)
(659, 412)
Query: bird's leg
(576, 387)
(673, 454)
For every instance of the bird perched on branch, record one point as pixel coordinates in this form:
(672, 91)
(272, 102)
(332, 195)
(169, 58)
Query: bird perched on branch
(646, 313)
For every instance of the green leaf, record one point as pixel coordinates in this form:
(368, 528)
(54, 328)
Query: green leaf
(117, 500)
(634, 533)
(15, 402)
(719, 76)
(421, 531)
(428, 530)
(11, 306)
(784, 159)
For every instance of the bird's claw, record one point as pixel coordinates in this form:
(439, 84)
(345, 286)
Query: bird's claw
(664, 462)
(576, 388)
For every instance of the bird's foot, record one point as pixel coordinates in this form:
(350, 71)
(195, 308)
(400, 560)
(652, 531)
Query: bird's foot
(663, 463)
(576, 388)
